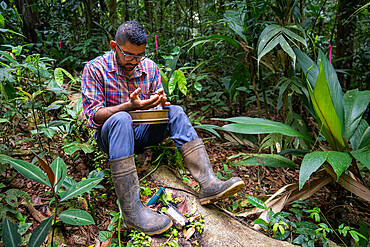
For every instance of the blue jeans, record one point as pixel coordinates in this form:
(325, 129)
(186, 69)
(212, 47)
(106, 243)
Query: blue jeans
(118, 137)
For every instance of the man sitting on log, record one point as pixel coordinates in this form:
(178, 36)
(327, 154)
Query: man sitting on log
(124, 80)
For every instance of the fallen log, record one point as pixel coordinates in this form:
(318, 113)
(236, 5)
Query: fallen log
(219, 227)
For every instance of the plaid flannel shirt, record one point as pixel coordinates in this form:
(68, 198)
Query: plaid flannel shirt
(104, 84)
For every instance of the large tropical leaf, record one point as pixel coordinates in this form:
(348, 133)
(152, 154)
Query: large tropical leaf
(248, 125)
(27, 169)
(11, 237)
(80, 188)
(355, 104)
(361, 136)
(60, 170)
(326, 115)
(41, 231)
(308, 66)
(76, 217)
(362, 155)
(334, 86)
(311, 163)
(273, 35)
(271, 160)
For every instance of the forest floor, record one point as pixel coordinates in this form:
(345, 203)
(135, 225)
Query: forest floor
(338, 207)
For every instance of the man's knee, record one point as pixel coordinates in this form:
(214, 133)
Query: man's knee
(175, 111)
(120, 119)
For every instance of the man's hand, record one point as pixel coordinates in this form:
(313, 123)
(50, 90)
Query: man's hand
(164, 100)
(138, 104)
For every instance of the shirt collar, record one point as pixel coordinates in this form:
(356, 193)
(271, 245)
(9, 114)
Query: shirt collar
(113, 67)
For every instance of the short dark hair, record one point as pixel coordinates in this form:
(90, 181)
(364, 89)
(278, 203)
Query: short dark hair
(132, 32)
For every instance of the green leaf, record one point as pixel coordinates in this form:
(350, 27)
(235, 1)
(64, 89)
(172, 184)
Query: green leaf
(286, 47)
(271, 45)
(76, 217)
(327, 117)
(181, 82)
(8, 57)
(339, 161)
(40, 233)
(208, 127)
(256, 202)
(73, 147)
(104, 236)
(267, 34)
(362, 155)
(310, 163)
(295, 36)
(58, 75)
(80, 188)
(247, 125)
(355, 104)
(164, 80)
(260, 221)
(308, 66)
(172, 83)
(2, 20)
(235, 20)
(27, 169)
(60, 170)
(270, 160)
(335, 89)
(361, 136)
(11, 237)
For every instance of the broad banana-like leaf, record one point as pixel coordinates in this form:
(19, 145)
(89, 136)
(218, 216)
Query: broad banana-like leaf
(11, 237)
(80, 188)
(27, 169)
(76, 217)
(311, 163)
(248, 125)
(362, 155)
(308, 66)
(361, 136)
(41, 231)
(334, 86)
(326, 115)
(355, 104)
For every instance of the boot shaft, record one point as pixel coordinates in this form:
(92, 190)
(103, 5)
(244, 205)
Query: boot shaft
(126, 182)
(196, 160)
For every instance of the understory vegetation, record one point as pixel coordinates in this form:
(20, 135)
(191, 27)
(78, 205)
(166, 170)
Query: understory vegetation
(278, 90)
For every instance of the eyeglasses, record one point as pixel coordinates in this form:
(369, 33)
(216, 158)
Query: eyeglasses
(128, 57)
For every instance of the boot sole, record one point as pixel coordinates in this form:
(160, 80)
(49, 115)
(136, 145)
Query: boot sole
(152, 233)
(229, 192)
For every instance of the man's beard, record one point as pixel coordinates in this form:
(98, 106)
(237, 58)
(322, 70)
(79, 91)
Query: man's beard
(125, 67)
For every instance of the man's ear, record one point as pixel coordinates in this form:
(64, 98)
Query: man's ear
(113, 45)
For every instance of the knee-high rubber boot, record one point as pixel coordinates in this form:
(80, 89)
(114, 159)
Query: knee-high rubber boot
(212, 189)
(127, 188)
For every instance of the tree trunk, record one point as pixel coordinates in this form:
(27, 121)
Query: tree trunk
(30, 19)
(345, 40)
(219, 227)
(113, 13)
(88, 16)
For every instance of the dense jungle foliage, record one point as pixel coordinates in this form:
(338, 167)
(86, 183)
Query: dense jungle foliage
(287, 82)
